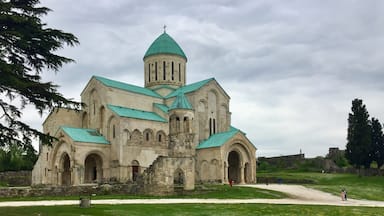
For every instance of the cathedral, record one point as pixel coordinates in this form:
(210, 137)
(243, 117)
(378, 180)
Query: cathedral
(164, 134)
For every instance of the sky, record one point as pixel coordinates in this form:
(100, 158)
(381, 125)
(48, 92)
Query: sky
(291, 68)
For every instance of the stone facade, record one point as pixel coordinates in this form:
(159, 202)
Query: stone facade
(164, 135)
(16, 178)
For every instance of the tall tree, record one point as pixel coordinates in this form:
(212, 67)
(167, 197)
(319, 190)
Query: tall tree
(359, 142)
(27, 47)
(377, 142)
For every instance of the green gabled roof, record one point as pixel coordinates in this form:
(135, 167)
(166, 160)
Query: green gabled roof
(165, 44)
(163, 86)
(127, 87)
(134, 113)
(162, 107)
(84, 135)
(181, 102)
(189, 88)
(218, 139)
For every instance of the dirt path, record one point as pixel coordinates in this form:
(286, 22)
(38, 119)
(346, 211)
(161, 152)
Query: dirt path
(300, 195)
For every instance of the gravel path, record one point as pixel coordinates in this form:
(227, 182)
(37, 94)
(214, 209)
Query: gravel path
(300, 195)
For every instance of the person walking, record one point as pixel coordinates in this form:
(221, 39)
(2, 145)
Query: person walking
(342, 195)
(345, 195)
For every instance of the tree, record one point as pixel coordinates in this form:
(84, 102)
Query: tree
(377, 142)
(15, 158)
(27, 47)
(359, 141)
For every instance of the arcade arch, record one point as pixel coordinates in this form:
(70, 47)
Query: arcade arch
(93, 168)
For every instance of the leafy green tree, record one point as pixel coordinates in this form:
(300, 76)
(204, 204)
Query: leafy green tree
(27, 47)
(15, 158)
(377, 142)
(359, 141)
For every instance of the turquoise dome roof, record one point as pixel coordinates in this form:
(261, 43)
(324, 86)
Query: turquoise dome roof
(165, 44)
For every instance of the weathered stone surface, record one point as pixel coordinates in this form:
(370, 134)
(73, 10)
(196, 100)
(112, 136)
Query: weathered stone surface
(16, 178)
(154, 149)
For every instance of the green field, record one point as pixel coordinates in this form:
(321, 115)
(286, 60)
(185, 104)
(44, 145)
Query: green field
(193, 209)
(363, 187)
(357, 187)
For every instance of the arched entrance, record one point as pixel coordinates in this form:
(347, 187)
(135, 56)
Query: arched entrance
(66, 170)
(178, 181)
(135, 170)
(93, 169)
(234, 173)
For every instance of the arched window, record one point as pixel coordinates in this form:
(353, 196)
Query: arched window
(101, 119)
(113, 131)
(210, 126)
(164, 70)
(214, 126)
(179, 72)
(135, 169)
(149, 72)
(156, 71)
(94, 107)
(173, 72)
(160, 135)
(177, 124)
(147, 135)
(186, 125)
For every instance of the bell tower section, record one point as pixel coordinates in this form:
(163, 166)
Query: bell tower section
(164, 63)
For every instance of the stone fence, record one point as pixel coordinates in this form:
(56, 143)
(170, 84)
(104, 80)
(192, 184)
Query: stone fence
(16, 178)
(81, 191)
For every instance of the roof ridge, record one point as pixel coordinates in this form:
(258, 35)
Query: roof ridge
(218, 139)
(181, 102)
(127, 87)
(136, 113)
(190, 87)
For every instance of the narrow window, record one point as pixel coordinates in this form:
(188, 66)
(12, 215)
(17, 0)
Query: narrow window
(177, 124)
(179, 72)
(173, 72)
(149, 72)
(156, 71)
(164, 70)
(47, 156)
(147, 136)
(210, 126)
(159, 137)
(214, 126)
(113, 131)
(94, 108)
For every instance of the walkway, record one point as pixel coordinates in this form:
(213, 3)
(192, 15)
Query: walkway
(300, 195)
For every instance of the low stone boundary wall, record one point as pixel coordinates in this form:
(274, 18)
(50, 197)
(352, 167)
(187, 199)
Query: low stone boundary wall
(81, 191)
(16, 178)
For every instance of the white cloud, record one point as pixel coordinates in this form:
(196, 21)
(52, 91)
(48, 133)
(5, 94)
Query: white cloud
(291, 68)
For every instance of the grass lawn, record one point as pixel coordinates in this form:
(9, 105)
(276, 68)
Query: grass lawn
(192, 209)
(365, 187)
(204, 191)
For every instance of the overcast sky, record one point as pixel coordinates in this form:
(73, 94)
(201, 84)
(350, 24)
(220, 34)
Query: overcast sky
(291, 68)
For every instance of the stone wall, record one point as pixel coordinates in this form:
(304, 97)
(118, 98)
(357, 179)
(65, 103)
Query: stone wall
(16, 178)
(166, 174)
(81, 191)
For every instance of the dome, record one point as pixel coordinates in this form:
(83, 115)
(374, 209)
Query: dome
(165, 44)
